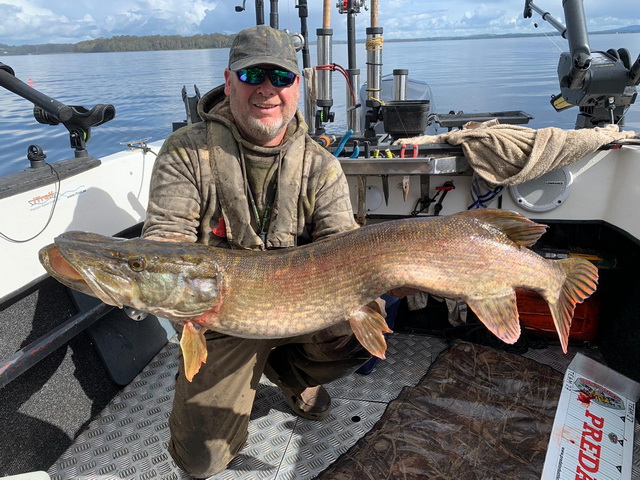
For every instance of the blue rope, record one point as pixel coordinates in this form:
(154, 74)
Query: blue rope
(481, 200)
(343, 142)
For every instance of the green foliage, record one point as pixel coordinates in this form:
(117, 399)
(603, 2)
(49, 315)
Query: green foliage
(35, 49)
(125, 43)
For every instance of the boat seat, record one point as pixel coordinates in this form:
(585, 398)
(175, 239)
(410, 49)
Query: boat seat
(125, 345)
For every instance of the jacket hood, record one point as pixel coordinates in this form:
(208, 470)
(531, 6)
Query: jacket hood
(209, 100)
(214, 106)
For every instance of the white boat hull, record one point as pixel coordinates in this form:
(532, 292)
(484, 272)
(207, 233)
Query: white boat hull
(107, 199)
(605, 188)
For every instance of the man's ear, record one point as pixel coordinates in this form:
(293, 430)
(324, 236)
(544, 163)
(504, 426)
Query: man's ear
(227, 81)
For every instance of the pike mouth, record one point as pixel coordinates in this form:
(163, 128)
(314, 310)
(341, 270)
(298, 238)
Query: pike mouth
(68, 271)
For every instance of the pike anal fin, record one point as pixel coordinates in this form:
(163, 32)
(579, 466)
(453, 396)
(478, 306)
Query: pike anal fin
(499, 314)
(194, 348)
(369, 328)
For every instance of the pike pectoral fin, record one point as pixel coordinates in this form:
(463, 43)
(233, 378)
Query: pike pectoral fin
(500, 315)
(369, 328)
(194, 348)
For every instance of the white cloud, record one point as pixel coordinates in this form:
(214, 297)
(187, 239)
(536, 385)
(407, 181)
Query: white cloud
(26, 22)
(68, 21)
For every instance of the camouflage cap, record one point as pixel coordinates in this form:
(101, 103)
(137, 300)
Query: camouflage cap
(263, 45)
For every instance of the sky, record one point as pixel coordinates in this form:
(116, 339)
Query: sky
(25, 22)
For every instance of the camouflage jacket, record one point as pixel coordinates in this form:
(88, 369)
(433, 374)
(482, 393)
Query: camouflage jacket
(198, 192)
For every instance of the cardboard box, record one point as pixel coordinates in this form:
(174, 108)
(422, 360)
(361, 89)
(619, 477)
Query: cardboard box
(592, 435)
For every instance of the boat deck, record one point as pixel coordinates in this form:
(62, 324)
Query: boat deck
(128, 439)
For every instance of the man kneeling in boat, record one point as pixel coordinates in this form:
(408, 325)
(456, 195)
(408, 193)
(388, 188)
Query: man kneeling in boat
(249, 176)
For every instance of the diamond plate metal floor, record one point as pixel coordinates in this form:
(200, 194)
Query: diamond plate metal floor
(128, 439)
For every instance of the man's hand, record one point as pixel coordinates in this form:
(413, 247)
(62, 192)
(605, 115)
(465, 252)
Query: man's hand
(173, 238)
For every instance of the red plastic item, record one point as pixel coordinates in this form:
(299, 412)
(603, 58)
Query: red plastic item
(535, 315)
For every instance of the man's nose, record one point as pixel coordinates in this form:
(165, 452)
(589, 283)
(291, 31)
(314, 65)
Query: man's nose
(267, 89)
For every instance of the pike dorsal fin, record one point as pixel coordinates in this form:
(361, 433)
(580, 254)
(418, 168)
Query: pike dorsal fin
(499, 314)
(517, 227)
(369, 328)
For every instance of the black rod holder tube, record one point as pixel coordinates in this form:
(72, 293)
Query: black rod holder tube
(303, 13)
(259, 12)
(351, 35)
(273, 15)
(25, 358)
(577, 32)
(9, 81)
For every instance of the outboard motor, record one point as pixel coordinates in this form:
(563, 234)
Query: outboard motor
(601, 84)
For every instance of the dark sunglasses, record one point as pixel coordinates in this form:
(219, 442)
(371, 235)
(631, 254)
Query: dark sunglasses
(256, 75)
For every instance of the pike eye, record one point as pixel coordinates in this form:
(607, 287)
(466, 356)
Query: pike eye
(137, 264)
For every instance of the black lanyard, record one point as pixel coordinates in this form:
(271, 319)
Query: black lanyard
(263, 222)
(266, 214)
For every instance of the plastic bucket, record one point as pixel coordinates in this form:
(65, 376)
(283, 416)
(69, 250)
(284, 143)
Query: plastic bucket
(405, 118)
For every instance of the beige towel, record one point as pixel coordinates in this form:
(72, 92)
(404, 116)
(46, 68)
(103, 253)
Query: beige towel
(511, 155)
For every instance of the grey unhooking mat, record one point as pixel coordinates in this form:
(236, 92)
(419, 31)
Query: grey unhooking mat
(478, 413)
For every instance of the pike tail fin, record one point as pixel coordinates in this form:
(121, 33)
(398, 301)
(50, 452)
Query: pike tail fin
(581, 281)
(194, 348)
(499, 314)
(369, 328)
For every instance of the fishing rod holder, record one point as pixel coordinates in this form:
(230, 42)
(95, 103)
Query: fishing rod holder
(77, 119)
(36, 156)
(79, 124)
(324, 99)
(374, 64)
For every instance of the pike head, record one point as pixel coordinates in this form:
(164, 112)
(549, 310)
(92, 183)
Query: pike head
(162, 278)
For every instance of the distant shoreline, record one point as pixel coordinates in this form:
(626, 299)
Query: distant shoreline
(131, 43)
(493, 36)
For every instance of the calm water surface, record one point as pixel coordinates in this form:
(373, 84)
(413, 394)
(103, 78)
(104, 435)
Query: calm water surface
(469, 75)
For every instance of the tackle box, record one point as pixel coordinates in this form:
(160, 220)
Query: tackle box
(535, 315)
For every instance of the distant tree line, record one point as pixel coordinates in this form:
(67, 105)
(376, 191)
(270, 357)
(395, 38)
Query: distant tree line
(125, 43)
(35, 49)
(130, 43)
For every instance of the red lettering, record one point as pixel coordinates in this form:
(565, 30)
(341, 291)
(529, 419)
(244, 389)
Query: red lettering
(589, 431)
(589, 455)
(590, 464)
(597, 422)
(592, 447)
(582, 475)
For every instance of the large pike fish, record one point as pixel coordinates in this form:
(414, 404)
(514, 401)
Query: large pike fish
(478, 256)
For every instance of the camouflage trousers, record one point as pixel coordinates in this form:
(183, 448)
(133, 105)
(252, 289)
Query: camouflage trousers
(210, 415)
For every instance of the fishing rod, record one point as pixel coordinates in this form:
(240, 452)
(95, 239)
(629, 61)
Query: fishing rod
(374, 72)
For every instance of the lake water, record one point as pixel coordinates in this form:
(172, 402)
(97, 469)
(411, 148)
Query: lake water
(469, 75)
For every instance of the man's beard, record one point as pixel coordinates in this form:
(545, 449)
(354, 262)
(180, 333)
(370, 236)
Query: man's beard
(259, 132)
